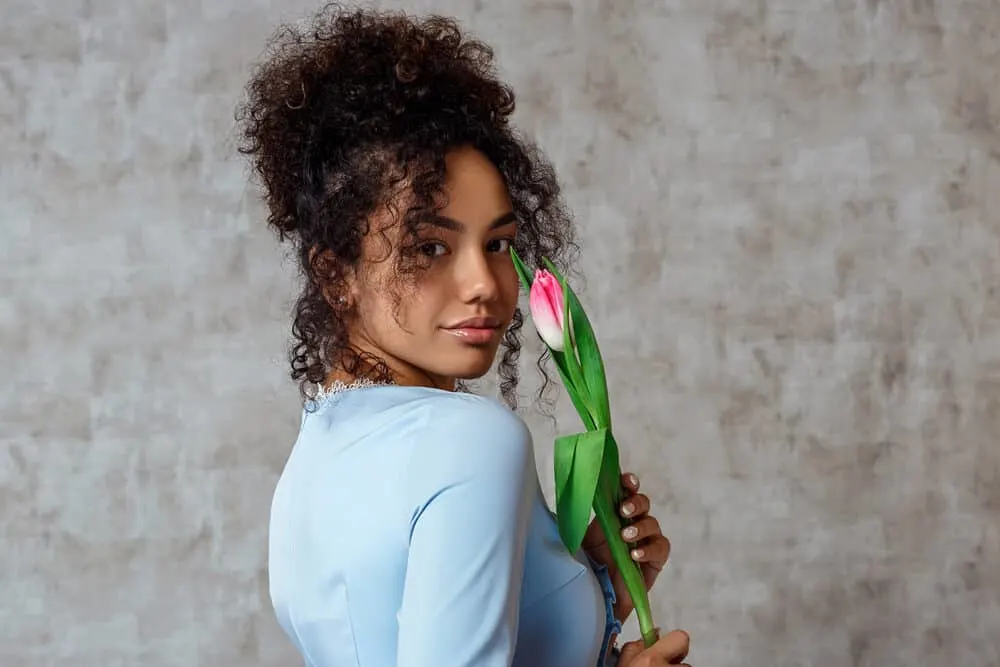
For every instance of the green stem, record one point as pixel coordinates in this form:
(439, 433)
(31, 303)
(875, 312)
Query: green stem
(605, 502)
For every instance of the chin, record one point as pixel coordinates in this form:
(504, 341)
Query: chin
(475, 368)
(471, 374)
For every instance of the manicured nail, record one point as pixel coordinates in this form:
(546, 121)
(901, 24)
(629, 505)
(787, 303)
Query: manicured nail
(637, 554)
(633, 480)
(630, 533)
(628, 509)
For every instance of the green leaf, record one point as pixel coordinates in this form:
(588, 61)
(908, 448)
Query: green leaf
(611, 472)
(590, 362)
(576, 498)
(527, 278)
(578, 402)
(573, 368)
(562, 463)
(565, 450)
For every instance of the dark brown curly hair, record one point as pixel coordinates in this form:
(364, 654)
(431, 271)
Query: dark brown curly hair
(349, 106)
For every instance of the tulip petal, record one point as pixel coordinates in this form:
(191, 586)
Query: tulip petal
(543, 315)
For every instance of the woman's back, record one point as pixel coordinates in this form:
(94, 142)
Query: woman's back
(408, 528)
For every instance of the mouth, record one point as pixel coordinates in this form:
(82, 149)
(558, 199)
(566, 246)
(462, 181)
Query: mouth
(475, 330)
(476, 323)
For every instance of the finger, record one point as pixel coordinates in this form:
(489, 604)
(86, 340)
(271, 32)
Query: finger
(642, 529)
(634, 506)
(654, 552)
(674, 646)
(630, 651)
(630, 481)
(671, 649)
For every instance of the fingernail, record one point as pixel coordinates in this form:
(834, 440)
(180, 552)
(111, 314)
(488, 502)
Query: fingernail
(628, 509)
(630, 533)
(633, 480)
(637, 553)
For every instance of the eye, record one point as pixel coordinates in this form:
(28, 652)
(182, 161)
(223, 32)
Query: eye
(499, 245)
(432, 249)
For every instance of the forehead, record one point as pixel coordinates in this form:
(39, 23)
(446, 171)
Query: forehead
(474, 193)
(473, 184)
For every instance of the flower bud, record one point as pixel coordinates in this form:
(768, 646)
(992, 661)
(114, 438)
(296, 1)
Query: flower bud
(546, 303)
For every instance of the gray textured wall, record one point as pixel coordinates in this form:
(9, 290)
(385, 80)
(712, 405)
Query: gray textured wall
(802, 198)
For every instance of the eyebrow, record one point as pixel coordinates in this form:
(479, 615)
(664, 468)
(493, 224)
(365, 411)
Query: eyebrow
(454, 225)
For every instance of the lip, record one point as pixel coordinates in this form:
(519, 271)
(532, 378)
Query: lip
(475, 330)
(476, 323)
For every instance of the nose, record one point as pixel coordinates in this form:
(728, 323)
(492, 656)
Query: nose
(476, 280)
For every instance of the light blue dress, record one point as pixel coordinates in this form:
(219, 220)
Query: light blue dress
(408, 529)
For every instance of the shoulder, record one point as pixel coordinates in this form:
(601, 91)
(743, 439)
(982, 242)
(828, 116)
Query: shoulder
(466, 435)
(450, 412)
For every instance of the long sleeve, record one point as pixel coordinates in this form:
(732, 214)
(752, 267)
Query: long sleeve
(470, 487)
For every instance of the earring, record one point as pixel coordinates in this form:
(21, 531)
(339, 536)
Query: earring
(341, 300)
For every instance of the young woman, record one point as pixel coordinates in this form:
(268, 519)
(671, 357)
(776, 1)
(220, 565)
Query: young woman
(408, 526)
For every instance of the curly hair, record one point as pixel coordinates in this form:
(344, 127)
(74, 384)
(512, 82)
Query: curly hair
(354, 103)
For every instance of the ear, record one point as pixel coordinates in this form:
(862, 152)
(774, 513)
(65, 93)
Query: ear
(335, 276)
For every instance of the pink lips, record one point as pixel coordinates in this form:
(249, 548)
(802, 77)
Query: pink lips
(475, 330)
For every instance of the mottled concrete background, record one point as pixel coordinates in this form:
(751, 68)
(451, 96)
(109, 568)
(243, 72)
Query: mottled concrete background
(791, 222)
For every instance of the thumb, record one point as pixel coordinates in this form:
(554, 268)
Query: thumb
(630, 652)
(668, 650)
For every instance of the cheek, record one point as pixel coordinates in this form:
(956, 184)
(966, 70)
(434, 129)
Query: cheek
(380, 305)
(422, 305)
(373, 314)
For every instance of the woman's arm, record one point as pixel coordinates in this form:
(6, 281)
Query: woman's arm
(471, 494)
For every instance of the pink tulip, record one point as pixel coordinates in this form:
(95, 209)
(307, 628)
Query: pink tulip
(546, 303)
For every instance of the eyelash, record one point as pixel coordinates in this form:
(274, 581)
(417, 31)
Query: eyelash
(430, 244)
(439, 244)
(508, 240)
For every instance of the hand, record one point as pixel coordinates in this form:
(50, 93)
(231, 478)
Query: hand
(669, 650)
(649, 547)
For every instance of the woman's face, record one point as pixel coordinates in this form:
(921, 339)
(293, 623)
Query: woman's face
(449, 325)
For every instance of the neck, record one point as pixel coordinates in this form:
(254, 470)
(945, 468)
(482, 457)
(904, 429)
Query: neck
(364, 363)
